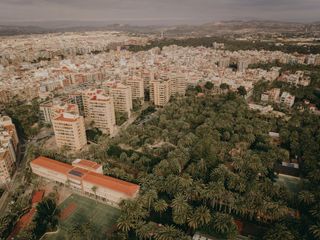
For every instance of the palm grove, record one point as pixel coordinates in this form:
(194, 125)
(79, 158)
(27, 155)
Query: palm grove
(204, 162)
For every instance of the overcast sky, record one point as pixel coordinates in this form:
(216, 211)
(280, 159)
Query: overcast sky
(158, 11)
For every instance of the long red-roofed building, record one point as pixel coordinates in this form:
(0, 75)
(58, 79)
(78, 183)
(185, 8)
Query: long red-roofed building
(85, 177)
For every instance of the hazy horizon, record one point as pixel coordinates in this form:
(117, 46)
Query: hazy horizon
(149, 12)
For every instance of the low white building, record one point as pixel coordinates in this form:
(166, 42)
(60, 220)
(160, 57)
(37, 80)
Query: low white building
(85, 177)
(287, 99)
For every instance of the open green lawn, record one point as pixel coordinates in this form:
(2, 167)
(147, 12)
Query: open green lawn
(102, 216)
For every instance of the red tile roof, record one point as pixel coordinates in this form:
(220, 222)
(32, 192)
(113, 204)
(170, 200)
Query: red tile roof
(87, 164)
(64, 119)
(112, 183)
(37, 196)
(98, 179)
(52, 164)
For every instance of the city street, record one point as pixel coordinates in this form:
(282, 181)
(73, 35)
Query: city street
(21, 165)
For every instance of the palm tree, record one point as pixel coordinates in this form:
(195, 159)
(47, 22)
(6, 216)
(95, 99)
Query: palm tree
(169, 233)
(160, 206)
(224, 87)
(215, 194)
(223, 223)
(94, 190)
(150, 197)
(179, 203)
(203, 215)
(67, 184)
(134, 209)
(279, 232)
(197, 192)
(180, 208)
(315, 230)
(180, 218)
(209, 85)
(125, 223)
(315, 211)
(306, 197)
(146, 231)
(242, 91)
(193, 221)
(202, 166)
(6, 224)
(185, 182)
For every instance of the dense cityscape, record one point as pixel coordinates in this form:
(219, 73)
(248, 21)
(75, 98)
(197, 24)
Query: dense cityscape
(162, 133)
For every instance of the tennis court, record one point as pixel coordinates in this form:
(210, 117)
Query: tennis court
(78, 209)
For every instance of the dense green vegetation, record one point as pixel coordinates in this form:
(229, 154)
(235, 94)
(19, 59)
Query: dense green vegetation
(121, 118)
(1, 191)
(203, 163)
(311, 92)
(93, 134)
(230, 44)
(259, 88)
(81, 231)
(45, 219)
(291, 67)
(301, 136)
(21, 199)
(7, 223)
(25, 116)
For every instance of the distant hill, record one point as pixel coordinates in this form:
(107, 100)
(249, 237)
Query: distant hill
(10, 30)
(223, 27)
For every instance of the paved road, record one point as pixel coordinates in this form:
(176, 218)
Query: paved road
(14, 182)
(131, 120)
(16, 179)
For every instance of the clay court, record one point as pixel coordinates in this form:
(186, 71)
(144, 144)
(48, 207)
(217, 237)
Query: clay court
(68, 211)
(77, 209)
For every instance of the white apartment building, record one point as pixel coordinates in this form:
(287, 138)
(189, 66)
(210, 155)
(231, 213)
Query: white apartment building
(272, 95)
(86, 95)
(137, 87)
(50, 110)
(101, 113)
(224, 62)
(178, 83)
(160, 92)
(242, 65)
(69, 131)
(287, 99)
(122, 97)
(8, 149)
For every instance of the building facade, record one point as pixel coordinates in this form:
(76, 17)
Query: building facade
(160, 92)
(242, 65)
(50, 110)
(137, 88)
(8, 149)
(101, 113)
(178, 84)
(69, 131)
(122, 97)
(86, 95)
(287, 99)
